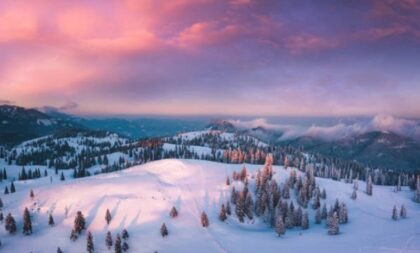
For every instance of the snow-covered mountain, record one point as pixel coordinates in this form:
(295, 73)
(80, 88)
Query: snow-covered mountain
(140, 198)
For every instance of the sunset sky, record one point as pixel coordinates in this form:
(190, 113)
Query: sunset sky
(191, 57)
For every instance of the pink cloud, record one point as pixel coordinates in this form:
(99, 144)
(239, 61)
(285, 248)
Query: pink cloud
(297, 44)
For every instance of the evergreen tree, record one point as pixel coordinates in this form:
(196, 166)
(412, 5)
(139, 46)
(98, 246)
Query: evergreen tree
(51, 220)
(305, 221)
(90, 248)
(117, 244)
(204, 219)
(108, 216)
(394, 213)
(6, 190)
(417, 193)
(125, 246)
(369, 186)
(333, 227)
(73, 235)
(240, 207)
(125, 234)
(163, 230)
(403, 212)
(342, 214)
(228, 210)
(318, 216)
(173, 213)
(62, 178)
(355, 185)
(324, 194)
(12, 187)
(1, 217)
(27, 224)
(354, 194)
(108, 240)
(79, 222)
(227, 181)
(298, 217)
(398, 187)
(59, 250)
(222, 214)
(31, 194)
(280, 228)
(10, 224)
(1, 203)
(288, 222)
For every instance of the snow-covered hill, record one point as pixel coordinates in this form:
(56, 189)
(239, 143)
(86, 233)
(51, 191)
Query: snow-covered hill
(141, 197)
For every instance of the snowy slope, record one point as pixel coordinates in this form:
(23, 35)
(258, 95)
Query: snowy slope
(140, 198)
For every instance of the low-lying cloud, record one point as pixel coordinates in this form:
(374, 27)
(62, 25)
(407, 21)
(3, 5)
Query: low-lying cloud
(385, 123)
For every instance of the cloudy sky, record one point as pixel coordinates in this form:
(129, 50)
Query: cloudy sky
(238, 57)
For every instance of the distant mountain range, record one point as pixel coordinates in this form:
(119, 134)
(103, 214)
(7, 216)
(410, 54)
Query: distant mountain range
(374, 148)
(18, 124)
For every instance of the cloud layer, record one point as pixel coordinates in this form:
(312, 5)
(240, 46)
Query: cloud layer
(385, 123)
(213, 57)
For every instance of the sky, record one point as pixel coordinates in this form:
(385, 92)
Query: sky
(212, 57)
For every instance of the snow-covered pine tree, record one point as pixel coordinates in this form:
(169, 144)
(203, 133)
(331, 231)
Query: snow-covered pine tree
(369, 186)
(73, 235)
(125, 235)
(318, 216)
(173, 213)
(288, 222)
(394, 213)
(356, 185)
(343, 213)
(1, 203)
(233, 195)
(398, 187)
(108, 216)
(117, 244)
(125, 246)
(417, 193)
(240, 207)
(31, 194)
(305, 220)
(108, 240)
(62, 178)
(10, 224)
(222, 214)
(79, 222)
(90, 247)
(249, 206)
(204, 219)
(403, 212)
(163, 230)
(6, 190)
(280, 228)
(286, 191)
(59, 250)
(333, 226)
(297, 220)
(227, 181)
(324, 194)
(1, 216)
(51, 220)
(12, 187)
(228, 209)
(27, 224)
(354, 195)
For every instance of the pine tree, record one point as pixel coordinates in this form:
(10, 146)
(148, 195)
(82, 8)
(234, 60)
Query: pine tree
(403, 212)
(27, 224)
(108, 240)
(394, 213)
(125, 246)
(12, 187)
(227, 181)
(324, 212)
(355, 185)
(288, 222)
(108, 216)
(318, 216)
(163, 230)
(324, 194)
(204, 219)
(342, 214)
(354, 194)
(125, 234)
(51, 220)
(73, 235)
(280, 228)
(369, 186)
(62, 178)
(117, 244)
(1, 217)
(228, 210)
(90, 248)
(79, 222)
(6, 190)
(222, 214)
(298, 217)
(417, 193)
(305, 221)
(173, 213)
(1, 203)
(333, 227)
(240, 207)
(31, 194)
(59, 250)
(398, 187)
(10, 224)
